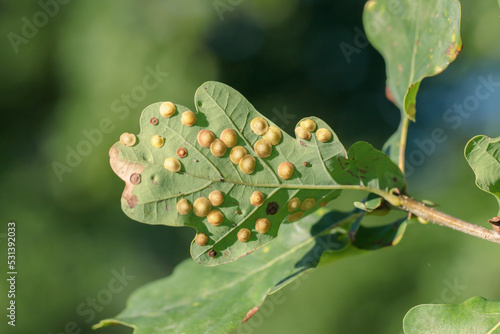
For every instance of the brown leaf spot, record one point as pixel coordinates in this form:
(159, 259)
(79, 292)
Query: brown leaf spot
(388, 94)
(132, 201)
(181, 152)
(272, 208)
(453, 50)
(250, 314)
(124, 169)
(135, 178)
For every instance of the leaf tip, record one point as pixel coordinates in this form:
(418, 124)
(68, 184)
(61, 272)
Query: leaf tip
(370, 4)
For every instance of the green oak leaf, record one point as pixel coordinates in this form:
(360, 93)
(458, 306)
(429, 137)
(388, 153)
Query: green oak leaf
(200, 299)
(476, 315)
(321, 169)
(417, 38)
(368, 167)
(483, 155)
(372, 238)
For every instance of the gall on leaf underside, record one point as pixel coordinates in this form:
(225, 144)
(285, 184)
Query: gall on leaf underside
(320, 168)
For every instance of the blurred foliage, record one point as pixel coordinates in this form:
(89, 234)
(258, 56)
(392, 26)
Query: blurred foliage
(284, 56)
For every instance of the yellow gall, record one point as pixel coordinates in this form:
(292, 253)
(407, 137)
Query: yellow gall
(257, 198)
(229, 137)
(273, 135)
(216, 197)
(263, 148)
(262, 225)
(259, 126)
(172, 164)
(202, 207)
(205, 138)
(295, 216)
(167, 109)
(237, 153)
(201, 239)
(323, 135)
(244, 235)
(307, 204)
(188, 118)
(293, 204)
(302, 134)
(247, 164)
(157, 141)
(218, 148)
(308, 125)
(184, 207)
(215, 217)
(128, 139)
(285, 170)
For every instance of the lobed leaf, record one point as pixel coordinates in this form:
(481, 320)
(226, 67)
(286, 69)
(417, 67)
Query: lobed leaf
(320, 168)
(417, 38)
(200, 299)
(476, 315)
(483, 155)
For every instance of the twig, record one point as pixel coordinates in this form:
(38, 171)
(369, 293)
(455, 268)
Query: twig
(421, 210)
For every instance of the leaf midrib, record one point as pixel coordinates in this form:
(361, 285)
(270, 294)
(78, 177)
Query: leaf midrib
(239, 131)
(414, 50)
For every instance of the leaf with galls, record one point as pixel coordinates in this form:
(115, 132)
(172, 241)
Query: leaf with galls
(241, 169)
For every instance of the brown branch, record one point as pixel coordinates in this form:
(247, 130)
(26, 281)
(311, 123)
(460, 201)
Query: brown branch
(421, 210)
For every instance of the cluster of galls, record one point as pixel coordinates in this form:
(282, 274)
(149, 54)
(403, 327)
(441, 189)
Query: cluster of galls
(167, 109)
(203, 207)
(296, 203)
(271, 135)
(306, 127)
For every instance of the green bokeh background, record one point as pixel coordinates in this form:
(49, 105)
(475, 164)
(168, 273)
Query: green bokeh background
(285, 57)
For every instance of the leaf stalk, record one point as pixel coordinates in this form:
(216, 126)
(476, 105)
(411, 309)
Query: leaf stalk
(402, 142)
